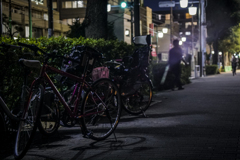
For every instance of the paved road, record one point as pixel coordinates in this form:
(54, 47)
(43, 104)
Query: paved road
(201, 122)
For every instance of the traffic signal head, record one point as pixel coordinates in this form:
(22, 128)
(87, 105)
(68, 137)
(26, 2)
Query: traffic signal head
(123, 5)
(126, 5)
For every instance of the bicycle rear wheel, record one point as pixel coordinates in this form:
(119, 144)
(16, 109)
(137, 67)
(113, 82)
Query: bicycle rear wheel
(50, 117)
(140, 100)
(29, 119)
(101, 110)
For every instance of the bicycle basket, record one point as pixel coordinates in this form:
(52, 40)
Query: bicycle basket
(81, 60)
(141, 57)
(100, 72)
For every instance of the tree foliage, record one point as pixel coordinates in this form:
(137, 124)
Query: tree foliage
(78, 30)
(221, 17)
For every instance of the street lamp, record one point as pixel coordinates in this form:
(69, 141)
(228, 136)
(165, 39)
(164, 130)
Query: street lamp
(192, 10)
(212, 52)
(109, 7)
(183, 3)
(184, 39)
(160, 34)
(165, 30)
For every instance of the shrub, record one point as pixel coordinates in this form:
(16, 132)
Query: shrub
(158, 71)
(11, 73)
(212, 69)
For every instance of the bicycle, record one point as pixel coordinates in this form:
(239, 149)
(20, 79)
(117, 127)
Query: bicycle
(9, 119)
(130, 75)
(100, 108)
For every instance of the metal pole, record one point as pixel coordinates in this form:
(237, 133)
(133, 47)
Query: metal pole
(50, 19)
(157, 41)
(1, 18)
(171, 31)
(192, 64)
(137, 17)
(30, 17)
(202, 38)
(131, 22)
(10, 17)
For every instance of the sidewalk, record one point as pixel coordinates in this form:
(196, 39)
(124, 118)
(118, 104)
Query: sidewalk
(198, 123)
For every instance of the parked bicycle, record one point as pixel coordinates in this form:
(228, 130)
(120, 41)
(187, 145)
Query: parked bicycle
(130, 75)
(9, 120)
(100, 107)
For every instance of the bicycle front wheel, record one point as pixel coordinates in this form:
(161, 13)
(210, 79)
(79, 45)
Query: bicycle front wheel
(140, 100)
(50, 116)
(101, 110)
(28, 123)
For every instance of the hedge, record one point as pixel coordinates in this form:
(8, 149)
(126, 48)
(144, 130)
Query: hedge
(158, 71)
(11, 73)
(211, 69)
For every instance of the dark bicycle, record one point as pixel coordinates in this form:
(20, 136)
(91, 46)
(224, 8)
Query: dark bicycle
(130, 73)
(100, 107)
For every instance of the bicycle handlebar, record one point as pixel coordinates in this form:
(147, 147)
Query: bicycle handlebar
(10, 46)
(32, 47)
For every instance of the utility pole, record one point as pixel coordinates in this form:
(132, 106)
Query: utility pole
(137, 17)
(171, 31)
(202, 37)
(50, 19)
(131, 10)
(30, 17)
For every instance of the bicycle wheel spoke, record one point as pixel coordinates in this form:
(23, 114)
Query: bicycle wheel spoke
(139, 101)
(28, 124)
(101, 110)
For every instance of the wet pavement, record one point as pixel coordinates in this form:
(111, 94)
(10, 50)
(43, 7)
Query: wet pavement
(200, 122)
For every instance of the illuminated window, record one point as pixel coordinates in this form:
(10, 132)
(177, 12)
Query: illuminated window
(187, 33)
(80, 4)
(68, 4)
(74, 4)
(70, 21)
(127, 32)
(187, 24)
(188, 16)
(45, 16)
(54, 4)
(26, 31)
(167, 16)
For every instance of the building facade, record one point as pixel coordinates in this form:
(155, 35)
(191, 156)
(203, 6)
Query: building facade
(20, 15)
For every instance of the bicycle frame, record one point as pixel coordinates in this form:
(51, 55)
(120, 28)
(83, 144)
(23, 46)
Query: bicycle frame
(80, 80)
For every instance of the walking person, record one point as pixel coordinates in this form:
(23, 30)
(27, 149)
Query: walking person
(174, 62)
(234, 65)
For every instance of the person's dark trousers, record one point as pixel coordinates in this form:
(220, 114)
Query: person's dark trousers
(176, 71)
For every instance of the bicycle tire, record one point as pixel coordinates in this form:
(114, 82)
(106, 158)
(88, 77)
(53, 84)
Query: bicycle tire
(3, 131)
(49, 120)
(140, 100)
(29, 121)
(99, 122)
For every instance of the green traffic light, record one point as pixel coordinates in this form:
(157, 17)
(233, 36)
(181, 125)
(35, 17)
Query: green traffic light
(123, 5)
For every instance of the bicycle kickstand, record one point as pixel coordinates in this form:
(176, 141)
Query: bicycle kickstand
(144, 114)
(115, 136)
